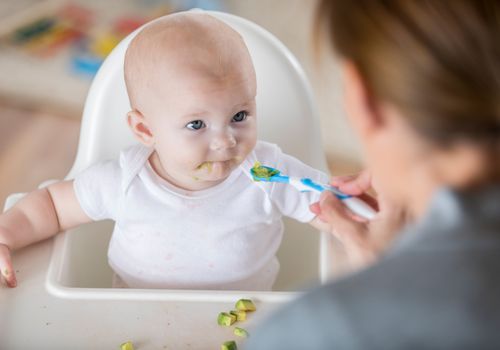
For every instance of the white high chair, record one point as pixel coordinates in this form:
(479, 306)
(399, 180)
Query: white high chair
(287, 116)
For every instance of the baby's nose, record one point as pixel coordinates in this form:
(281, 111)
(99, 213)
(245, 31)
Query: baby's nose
(223, 141)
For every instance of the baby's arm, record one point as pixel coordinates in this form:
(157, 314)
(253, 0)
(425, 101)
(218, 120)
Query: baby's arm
(40, 215)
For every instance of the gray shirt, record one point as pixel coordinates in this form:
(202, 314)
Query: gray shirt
(437, 288)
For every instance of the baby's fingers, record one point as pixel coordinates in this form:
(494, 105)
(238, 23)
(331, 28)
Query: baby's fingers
(6, 269)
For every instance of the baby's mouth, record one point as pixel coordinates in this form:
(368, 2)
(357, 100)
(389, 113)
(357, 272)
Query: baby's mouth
(205, 165)
(209, 165)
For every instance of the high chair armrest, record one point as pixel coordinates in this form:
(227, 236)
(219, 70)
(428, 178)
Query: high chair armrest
(15, 197)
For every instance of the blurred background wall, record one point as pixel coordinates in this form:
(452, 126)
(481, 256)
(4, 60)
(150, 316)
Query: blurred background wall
(51, 49)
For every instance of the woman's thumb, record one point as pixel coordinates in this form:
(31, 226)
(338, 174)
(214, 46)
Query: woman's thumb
(331, 208)
(357, 185)
(342, 223)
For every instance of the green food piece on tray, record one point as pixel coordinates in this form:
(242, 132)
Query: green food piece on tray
(229, 345)
(226, 319)
(240, 332)
(127, 346)
(240, 314)
(245, 305)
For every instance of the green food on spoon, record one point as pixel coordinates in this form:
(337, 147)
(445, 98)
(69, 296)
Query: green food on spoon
(263, 172)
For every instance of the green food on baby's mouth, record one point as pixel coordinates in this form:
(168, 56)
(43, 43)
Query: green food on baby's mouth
(206, 165)
(263, 172)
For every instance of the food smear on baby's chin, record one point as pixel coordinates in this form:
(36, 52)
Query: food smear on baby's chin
(206, 165)
(196, 178)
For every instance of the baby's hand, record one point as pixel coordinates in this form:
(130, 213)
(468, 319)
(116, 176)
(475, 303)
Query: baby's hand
(7, 272)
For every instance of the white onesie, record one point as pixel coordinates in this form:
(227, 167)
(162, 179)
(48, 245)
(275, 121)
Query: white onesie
(225, 237)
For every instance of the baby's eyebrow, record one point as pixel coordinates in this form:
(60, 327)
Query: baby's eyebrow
(195, 114)
(243, 104)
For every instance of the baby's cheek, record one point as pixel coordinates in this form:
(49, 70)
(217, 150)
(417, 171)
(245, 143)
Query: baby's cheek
(190, 157)
(186, 147)
(247, 143)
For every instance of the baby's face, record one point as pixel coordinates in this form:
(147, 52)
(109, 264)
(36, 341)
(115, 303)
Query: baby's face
(192, 87)
(203, 126)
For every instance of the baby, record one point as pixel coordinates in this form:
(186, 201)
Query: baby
(187, 212)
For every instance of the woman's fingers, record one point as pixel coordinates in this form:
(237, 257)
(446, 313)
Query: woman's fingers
(315, 208)
(339, 180)
(6, 269)
(353, 234)
(356, 185)
(371, 201)
(343, 225)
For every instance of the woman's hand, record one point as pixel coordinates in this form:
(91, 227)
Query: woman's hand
(6, 270)
(364, 240)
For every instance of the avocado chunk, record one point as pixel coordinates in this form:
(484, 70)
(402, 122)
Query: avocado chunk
(229, 345)
(127, 346)
(225, 319)
(240, 314)
(245, 305)
(240, 332)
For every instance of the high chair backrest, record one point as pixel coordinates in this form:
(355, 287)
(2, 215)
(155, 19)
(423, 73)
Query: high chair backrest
(286, 111)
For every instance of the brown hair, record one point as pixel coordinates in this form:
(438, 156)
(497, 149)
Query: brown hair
(437, 61)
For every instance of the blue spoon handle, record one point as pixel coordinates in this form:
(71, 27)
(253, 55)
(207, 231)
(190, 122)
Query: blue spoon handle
(356, 205)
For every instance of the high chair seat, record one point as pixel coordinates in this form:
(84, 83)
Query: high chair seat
(287, 116)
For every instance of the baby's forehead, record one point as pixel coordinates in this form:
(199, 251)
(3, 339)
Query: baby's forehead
(196, 40)
(187, 44)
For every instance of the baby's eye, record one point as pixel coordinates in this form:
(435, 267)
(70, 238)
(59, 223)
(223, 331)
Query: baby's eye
(240, 116)
(195, 125)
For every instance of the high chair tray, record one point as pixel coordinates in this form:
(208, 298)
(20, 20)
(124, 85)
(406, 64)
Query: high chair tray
(32, 318)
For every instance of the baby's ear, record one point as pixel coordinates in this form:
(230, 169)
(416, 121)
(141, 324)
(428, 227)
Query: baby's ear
(140, 128)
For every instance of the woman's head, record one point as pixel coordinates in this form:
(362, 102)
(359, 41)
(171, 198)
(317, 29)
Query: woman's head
(430, 68)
